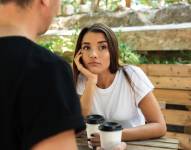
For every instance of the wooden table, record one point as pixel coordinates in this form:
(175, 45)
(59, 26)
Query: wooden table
(152, 144)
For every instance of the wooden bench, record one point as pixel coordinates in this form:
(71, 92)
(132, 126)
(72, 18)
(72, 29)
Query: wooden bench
(173, 91)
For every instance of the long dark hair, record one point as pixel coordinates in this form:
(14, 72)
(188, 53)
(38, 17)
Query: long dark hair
(112, 46)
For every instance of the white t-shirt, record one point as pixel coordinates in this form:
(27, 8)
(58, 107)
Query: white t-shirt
(118, 102)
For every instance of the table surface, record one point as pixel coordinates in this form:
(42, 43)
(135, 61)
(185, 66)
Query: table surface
(163, 143)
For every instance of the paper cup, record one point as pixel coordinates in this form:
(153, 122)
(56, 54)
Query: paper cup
(110, 135)
(92, 124)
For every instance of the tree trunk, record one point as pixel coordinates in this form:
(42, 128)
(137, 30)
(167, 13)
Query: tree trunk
(128, 3)
(81, 2)
(95, 5)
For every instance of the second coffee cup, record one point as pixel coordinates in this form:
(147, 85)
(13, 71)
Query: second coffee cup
(110, 135)
(92, 124)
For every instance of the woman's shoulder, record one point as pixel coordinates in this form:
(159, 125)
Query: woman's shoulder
(137, 75)
(132, 69)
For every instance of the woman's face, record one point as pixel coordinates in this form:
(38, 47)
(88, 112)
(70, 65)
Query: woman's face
(96, 56)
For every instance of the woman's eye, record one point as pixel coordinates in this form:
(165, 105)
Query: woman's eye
(102, 47)
(85, 47)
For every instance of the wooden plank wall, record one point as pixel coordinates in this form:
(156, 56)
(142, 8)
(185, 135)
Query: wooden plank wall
(173, 88)
(172, 82)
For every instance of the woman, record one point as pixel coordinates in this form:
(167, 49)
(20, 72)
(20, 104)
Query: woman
(119, 93)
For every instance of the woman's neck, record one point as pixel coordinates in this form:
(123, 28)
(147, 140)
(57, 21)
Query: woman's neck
(105, 79)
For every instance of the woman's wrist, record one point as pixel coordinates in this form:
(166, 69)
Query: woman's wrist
(92, 81)
(123, 136)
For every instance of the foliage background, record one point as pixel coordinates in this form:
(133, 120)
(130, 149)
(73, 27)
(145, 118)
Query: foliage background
(64, 47)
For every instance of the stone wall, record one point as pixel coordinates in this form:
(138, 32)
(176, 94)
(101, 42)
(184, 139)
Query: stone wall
(144, 30)
(160, 38)
(150, 38)
(178, 13)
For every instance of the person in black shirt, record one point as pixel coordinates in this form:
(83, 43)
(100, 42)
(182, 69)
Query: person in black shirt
(39, 107)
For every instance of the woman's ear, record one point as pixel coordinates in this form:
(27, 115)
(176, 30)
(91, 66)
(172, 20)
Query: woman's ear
(50, 5)
(46, 2)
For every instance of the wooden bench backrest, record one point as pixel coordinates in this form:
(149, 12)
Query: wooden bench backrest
(173, 91)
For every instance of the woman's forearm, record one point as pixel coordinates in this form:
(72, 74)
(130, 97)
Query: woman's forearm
(87, 97)
(150, 130)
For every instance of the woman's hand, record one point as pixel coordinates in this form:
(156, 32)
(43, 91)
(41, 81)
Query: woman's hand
(90, 76)
(95, 140)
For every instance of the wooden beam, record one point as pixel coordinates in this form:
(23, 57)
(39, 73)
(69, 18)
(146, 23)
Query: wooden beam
(171, 82)
(185, 139)
(177, 97)
(177, 117)
(175, 70)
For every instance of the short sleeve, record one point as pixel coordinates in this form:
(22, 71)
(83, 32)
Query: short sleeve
(80, 87)
(140, 82)
(48, 103)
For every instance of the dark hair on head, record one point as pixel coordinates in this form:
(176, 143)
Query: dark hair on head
(21, 3)
(112, 46)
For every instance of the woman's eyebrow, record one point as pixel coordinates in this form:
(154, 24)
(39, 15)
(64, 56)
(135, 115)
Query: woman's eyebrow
(88, 43)
(102, 42)
(85, 43)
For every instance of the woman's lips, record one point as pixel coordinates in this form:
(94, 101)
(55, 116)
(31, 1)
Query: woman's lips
(94, 63)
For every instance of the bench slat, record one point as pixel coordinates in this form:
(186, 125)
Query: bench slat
(178, 70)
(177, 117)
(171, 82)
(178, 97)
(137, 147)
(185, 139)
(153, 143)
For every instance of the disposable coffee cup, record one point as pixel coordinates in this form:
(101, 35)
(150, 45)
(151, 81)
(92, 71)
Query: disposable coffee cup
(110, 135)
(92, 124)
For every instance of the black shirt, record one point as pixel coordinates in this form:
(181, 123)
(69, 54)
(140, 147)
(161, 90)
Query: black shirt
(37, 94)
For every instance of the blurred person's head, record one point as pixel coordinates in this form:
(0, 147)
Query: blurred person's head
(98, 44)
(22, 3)
(33, 16)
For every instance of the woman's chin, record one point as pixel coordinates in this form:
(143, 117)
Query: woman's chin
(95, 71)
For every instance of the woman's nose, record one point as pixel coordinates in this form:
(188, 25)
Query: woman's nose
(93, 53)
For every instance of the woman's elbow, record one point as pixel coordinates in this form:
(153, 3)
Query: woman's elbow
(163, 129)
